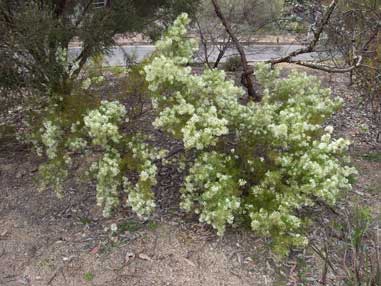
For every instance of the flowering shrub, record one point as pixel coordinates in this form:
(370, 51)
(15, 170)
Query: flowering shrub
(259, 162)
(98, 133)
(102, 126)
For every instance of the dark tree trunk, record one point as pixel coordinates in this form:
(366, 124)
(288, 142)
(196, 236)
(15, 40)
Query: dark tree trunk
(247, 70)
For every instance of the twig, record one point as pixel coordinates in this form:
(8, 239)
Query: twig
(2, 252)
(311, 46)
(324, 257)
(204, 43)
(323, 279)
(54, 275)
(171, 154)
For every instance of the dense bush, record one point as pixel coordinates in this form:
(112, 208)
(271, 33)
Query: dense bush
(258, 163)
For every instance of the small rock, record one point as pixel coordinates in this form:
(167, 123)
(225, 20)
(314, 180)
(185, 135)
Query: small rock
(68, 259)
(19, 174)
(129, 255)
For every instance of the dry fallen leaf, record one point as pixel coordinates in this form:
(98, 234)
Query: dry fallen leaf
(95, 249)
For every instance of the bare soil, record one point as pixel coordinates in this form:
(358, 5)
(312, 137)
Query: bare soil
(50, 241)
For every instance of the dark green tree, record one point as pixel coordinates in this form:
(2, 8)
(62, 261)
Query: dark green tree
(34, 32)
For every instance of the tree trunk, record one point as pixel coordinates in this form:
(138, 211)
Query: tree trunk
(247, 70)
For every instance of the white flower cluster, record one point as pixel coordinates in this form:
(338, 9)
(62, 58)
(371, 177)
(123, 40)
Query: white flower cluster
(140, 196)
(204, 129)
(303, 166)
(77, 144)
(282, 160)
(89, 81)
(190, 107)
(54, 172)
(108, 181)
(174, 45)
(102, 126)
(50, 137)
(219, 201)
(103, 123)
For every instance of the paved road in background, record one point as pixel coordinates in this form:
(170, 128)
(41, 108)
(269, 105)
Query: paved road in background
(255, 53)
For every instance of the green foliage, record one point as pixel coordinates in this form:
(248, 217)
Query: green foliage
(134, 88)
(131, 226)
(35, 36)
(88, 276)
(373, 157)
(361, 256)
(85, 221)
(152, 225)
(361, 221)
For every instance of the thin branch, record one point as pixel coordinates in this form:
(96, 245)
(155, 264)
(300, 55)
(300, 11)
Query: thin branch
(203, 42)
(311, 46)
(326, 68)
(324, 257)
